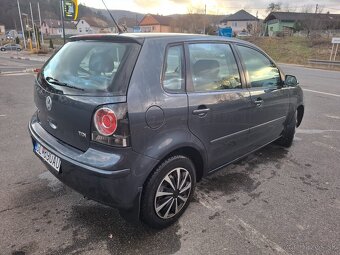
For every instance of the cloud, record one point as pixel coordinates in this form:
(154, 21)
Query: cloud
(148, 3)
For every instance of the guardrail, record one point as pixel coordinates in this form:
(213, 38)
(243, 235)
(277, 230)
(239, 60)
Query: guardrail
(323, 62)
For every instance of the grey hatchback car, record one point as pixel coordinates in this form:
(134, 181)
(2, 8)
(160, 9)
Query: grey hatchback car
(133, 121)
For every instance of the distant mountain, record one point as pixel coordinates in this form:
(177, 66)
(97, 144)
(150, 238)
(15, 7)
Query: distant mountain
(121, 15)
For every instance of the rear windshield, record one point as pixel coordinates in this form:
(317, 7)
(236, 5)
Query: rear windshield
(90, 67)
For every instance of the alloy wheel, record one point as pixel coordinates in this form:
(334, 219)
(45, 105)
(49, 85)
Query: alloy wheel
(172, 193)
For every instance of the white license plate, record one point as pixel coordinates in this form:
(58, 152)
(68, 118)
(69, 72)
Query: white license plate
(47, 156)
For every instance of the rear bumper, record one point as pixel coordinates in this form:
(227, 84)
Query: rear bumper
(113, 177)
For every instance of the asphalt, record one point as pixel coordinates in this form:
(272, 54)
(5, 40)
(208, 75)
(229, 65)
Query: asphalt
(276, 201)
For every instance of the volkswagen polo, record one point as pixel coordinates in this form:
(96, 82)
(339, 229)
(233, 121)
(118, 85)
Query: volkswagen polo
(134, 121)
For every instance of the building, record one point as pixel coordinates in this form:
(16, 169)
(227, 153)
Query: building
(93, 25)
(241, 21)
(53, 27)
(286, 23)
(156, 24)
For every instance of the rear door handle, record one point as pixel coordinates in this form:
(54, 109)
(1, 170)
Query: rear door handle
(258, 102)
(201, 112)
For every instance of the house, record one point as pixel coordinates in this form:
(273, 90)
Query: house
(241, 21)
(53, 27)
(286, 23)
(93, 25)
(151, 23)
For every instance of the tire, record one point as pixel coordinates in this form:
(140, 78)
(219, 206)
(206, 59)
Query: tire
(286, 140)
(18, 49)
(3, 49)
(161, 211)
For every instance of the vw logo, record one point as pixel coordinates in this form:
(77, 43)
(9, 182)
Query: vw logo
(49, 103)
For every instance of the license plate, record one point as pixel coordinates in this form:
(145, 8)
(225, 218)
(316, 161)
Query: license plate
(47, 156)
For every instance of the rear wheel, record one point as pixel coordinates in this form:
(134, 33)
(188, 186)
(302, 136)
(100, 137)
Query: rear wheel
(2, 49)
(168, 192)
(286, 140)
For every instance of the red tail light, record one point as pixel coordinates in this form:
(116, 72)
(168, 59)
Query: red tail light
(105, 121)
(111, 125)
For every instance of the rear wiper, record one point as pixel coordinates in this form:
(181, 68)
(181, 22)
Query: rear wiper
(56, 82)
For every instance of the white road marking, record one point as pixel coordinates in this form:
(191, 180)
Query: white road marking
(333, 117)
(15, 74)
(315, 131)
(255, 237)
(322, 93)
(2, 115)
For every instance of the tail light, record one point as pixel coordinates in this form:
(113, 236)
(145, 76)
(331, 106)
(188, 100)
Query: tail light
(111, 125)
(105, 121)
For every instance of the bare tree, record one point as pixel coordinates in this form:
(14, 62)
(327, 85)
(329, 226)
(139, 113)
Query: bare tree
(274, 7)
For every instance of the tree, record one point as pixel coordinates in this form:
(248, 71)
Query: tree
(51, 44)
(274, 7)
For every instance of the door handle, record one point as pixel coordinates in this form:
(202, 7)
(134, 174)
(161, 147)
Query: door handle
(201, 112)
(258, 102)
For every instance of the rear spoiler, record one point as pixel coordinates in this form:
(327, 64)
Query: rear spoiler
(107, 37)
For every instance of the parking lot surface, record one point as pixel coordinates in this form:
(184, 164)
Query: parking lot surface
(275, 201)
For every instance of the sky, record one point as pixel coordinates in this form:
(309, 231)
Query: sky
(221, 7)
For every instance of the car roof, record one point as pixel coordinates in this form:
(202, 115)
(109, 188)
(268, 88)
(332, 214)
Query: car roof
(141, 37)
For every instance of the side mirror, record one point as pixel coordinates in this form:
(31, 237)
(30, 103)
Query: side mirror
(291, 81)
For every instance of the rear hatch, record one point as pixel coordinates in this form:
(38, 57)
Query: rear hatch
(82, 76)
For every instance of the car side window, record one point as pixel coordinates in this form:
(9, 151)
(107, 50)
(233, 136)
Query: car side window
(173, 76)
(260, 70)
(213, 67)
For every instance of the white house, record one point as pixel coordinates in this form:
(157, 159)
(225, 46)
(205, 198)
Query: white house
(92, 25)
(55, 27)
(241, 21)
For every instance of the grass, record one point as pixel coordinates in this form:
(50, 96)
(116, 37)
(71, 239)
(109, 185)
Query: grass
(294, 50)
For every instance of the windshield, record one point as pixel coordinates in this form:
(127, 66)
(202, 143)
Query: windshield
(90, 67)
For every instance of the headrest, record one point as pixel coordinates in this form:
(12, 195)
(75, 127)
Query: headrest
(206, 67)
(101, 62)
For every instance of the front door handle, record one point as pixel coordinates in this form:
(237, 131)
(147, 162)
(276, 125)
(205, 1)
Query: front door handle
(258, 102)
(201, 112)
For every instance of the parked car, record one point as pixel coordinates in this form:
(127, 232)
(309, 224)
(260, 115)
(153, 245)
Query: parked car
(134, 121)
(11, 46)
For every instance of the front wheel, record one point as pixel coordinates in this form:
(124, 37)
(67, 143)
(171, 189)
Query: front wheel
(286, 140)
(168, 192)
(3, 49)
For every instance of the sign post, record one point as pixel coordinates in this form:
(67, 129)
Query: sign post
(335, 41)
(69, 9)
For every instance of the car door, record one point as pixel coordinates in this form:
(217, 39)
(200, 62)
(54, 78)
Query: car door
(269, 95)
(218, 101)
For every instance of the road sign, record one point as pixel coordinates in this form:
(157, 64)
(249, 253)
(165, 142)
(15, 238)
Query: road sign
(70, 9)
(336, 40)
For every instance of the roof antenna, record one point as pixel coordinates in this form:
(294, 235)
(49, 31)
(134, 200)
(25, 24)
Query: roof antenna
(120, 31)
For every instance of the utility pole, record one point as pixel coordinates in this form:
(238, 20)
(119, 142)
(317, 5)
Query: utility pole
(22, 27)
(316, 8)
(41, 32)
(205, 16)
(62, 18)
(34, 34)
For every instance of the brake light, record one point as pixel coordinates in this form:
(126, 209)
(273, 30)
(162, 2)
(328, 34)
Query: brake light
(110, 125)
(105, 121)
